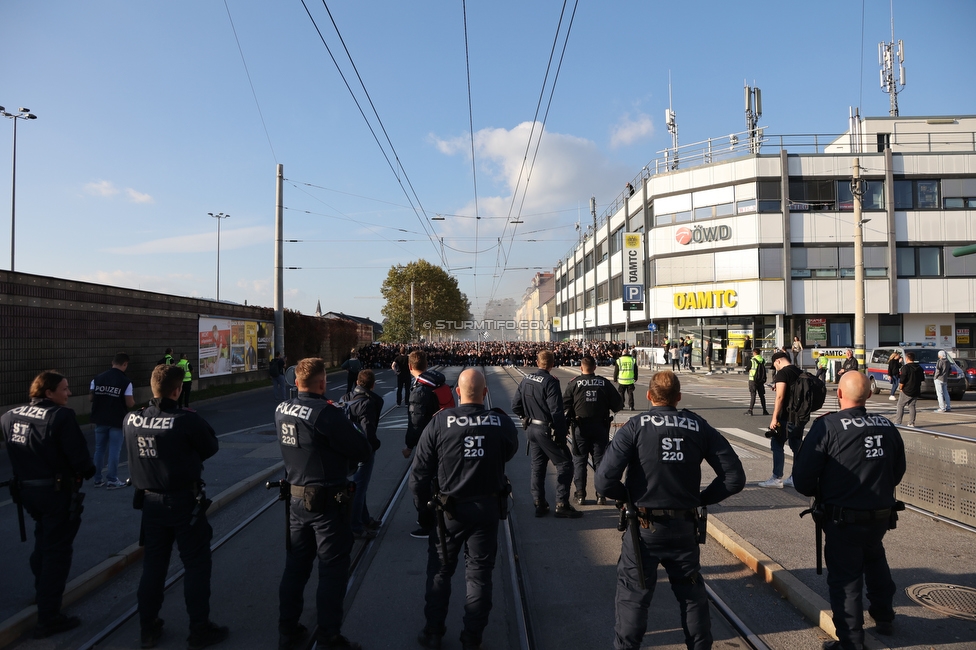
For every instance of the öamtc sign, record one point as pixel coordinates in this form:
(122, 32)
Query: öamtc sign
(701, 234)
(705, 299)
(633, 259)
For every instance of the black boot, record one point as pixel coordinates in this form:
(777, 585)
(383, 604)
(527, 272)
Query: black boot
(290, 639)
(55, 625)
(431, 637)
(566, 511)
(149, 636)
(541, 508)
(205, 635)
(580, 498)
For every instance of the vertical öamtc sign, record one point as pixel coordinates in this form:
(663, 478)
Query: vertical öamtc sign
(633, 275)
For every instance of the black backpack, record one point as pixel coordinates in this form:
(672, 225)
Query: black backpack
(808, 395)
(759, 377)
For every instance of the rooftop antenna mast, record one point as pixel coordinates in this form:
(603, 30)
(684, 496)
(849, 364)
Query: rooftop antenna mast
(672, 123)
(886, 58)
(753, 97)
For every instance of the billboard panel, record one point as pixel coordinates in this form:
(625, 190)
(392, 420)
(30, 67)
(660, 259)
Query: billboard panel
(232, 346)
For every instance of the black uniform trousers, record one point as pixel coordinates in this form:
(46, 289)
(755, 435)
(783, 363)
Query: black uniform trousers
(855, 557)
(626, 392)
(673, 544)
(165, 519)
(184, 399)
(475, 529)
(757, 388)
(593, 436)
(327, 536)
(542, 449)
(403, 388)
(54, 533)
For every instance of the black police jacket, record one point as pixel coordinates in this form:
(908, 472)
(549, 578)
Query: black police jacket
(167, 446)
(662, 451)
(318, 443)
(422, 403)
(853, 458)
(44, 440)
(108, 398)
(538, 398)
(365, 407)
(465, 449)
(591, 397)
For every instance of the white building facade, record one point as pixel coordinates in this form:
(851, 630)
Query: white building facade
(762, 244)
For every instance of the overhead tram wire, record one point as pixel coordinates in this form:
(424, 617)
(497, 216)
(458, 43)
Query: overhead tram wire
(474, 168)
(425, 220)
(552, 90)
(250, 83)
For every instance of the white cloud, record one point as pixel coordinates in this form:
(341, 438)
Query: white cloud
(101, 188)
(230, 239)
(138, 197)
(629, 130)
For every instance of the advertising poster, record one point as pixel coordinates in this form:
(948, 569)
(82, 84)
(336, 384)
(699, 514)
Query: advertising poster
(816, 331)
(232, 346)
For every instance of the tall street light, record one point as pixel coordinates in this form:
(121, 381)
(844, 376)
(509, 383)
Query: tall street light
(218, 217)
(24, 114)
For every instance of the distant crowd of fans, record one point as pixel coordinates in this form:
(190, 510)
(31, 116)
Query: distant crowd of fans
(493, 353)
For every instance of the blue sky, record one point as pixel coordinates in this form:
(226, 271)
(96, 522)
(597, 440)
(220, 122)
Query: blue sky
(147, 122)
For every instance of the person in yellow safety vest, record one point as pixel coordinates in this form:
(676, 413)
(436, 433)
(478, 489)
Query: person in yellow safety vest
(625, 374)
(184, 363)
(822, 362)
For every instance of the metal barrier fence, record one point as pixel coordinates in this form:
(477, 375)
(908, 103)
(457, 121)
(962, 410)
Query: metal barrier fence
(941, 474)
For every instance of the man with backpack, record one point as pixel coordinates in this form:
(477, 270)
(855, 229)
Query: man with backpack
(757, 382)
(798, 394)
(363, 408)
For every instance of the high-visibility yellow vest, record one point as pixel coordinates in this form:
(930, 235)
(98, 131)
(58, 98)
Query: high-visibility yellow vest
(185, 364)
(626, 374)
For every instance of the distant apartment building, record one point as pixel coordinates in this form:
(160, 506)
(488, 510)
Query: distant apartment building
(533, 316)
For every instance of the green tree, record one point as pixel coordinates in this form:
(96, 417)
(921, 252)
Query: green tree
(436, 298)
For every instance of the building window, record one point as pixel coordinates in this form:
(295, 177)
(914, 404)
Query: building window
(770, 196)
(872, 199)
(889, 329)
(590, 298)
(601, 251)
(920, 262)
(917, 195)
(812, 195)
(906, 262)
(602, 293)
(742, 207)
(616, 287)
(617, 240)
(588, 262)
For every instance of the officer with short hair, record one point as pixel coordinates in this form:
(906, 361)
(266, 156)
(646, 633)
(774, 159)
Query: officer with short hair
(851, 462)
(589, 400)
(166, 448)
(111, 398)
(463, 449)
(625, 374)
(320, 448)
(662, 451)
(540, 405)
(364, 408)
(49, 458)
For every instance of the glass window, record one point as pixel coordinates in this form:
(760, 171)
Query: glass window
(617, 240)
(928, 195)
(825, 273)
(602, 293)
(703, 213)
(769, 206)
(682, 217)
(663, 219)
(906, 262)
(590, 297)
(742, 207)
(601, 251)
(904, 195)
(950, 204)
(770, 190)
(845, 200)
(616, 287)
(889, 330)
(800, 273)
(724, 210)
(588, 262)
(930, 262)
(873, 198)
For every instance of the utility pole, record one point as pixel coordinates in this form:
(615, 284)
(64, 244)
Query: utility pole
(279, 283)
(857, 189)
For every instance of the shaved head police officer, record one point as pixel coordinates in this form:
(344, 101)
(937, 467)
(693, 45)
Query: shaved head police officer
(662, 451)
(851, 462)
(463, 450)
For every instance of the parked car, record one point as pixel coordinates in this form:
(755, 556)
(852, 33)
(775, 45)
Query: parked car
(926, 356)
(969, 371)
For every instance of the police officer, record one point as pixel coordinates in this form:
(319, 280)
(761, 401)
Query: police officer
(851, 462)
(757, 382)
(540, 405)
(184, 363)
(364, 407)
(465, 450)
(49, 458)
(589, 399)
(662, 451)
(422, 403)
(625, 374)
(166, 448)
(320, 448)
(111, 398)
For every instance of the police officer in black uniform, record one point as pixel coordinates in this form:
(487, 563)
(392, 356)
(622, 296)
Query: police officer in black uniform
(464, 450)
(540, 405)
(662, 451)
(851, 462)
(589, 400)
(320, 447)
(166, 447)
(49, 458)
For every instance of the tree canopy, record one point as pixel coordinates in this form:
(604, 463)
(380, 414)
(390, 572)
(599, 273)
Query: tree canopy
(436, 298)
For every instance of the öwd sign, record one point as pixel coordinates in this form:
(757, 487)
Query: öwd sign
(700, 234)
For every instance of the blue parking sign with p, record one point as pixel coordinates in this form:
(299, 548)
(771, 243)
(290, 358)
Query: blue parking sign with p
(633, 293)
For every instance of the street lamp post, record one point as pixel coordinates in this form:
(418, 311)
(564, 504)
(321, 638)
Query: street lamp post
(218, 217)
(24, 114)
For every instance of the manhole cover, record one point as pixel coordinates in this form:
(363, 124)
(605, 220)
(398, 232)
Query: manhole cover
(952, 600)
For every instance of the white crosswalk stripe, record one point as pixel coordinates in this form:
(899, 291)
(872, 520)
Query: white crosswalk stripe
(740, 395)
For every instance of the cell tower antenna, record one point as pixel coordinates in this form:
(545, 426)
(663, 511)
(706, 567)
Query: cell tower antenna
(753, 97)
(672, 123)
(886, 59)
